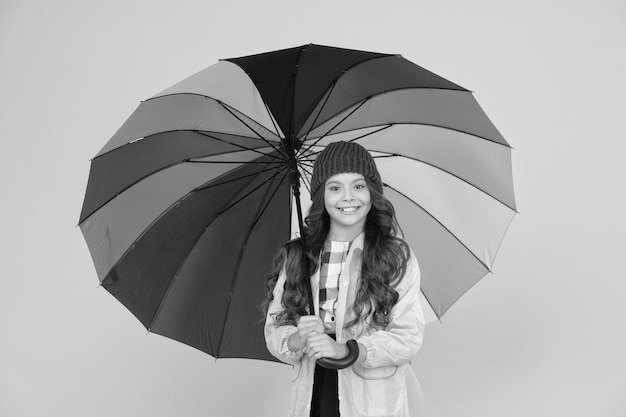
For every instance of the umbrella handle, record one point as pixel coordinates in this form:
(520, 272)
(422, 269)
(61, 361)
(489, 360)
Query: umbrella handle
(351, 357)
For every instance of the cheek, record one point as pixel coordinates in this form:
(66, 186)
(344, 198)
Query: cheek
(368, 204)
(367, 199)
(330, 199)
(328, 203)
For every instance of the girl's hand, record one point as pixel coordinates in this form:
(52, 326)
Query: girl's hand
(307, 326)
(323, 346)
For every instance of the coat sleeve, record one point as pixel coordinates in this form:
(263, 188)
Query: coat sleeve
(276, 336)
(401, 340)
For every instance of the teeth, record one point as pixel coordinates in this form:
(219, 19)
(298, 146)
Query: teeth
(348, 209)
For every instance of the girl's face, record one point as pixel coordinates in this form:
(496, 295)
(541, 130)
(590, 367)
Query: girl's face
(347, 200)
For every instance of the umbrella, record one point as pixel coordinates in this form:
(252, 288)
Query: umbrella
(188, 202)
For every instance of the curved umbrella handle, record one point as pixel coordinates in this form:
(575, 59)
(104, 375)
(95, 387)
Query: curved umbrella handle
(351, 357)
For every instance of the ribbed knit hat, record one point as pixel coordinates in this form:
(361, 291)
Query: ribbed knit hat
(340, 157)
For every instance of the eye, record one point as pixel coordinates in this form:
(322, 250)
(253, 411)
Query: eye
(360, 186)
(333, 188)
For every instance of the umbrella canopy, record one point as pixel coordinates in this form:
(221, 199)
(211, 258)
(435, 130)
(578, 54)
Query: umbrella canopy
(188, 202)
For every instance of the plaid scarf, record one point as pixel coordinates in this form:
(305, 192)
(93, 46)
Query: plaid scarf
(333, 259)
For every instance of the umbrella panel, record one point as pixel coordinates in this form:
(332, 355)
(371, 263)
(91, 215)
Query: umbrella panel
(292, 81)
(119, 169)
(180, 277)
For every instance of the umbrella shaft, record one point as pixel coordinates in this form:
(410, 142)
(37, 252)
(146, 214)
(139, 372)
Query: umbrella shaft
(289, 145)
(305, 259)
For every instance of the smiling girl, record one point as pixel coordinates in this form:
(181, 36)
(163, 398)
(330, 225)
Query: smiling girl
(366, 287)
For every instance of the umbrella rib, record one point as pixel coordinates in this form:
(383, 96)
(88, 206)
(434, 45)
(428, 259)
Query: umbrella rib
(174, 204)
(132, 247)
(441, 224)
(309, 163)
(271, 116)
(320, 111)
(228, 109)
(208, 185)
(194, 244)
(233, 280)
(506, 145)
(130, 142)
(384, 127)
(131, 185)
(280, 158)
(392, 155)
(280, 161)
(306, 168)
(305, 162)
(253, 190)
(338, 123)
(154, 317)
(336, 80)
(379, 93)
(282, 180)
(471, 286)
(193, 161)
(431, 305)
(198, 158)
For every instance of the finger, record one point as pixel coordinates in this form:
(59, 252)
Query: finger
(304, 327)
(314, 321)
(313, 341)
(316, 345)
(305, 323)
(321, 354)
(311, 323)
(309, 332)
(309, 319)
(317, 354)
(319, 337)
(314, 354)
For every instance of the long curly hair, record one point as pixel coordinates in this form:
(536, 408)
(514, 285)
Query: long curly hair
(384, 260)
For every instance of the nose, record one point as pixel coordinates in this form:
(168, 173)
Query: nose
(347, 196)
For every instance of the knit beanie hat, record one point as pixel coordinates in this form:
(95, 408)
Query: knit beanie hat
(340, 157)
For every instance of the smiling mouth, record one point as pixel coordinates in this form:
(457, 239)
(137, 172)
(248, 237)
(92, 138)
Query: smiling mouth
(348, 209)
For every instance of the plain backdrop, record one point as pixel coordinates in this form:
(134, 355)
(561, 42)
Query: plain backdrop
(544, 335)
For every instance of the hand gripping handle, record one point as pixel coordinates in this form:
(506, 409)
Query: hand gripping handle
(351, 357)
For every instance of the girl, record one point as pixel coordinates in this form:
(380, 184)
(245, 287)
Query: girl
(366, 287)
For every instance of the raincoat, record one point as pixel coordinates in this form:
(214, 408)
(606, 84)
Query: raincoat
(384, 384)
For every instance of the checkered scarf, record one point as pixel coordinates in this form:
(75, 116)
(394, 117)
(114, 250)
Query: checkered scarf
(333, 259)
